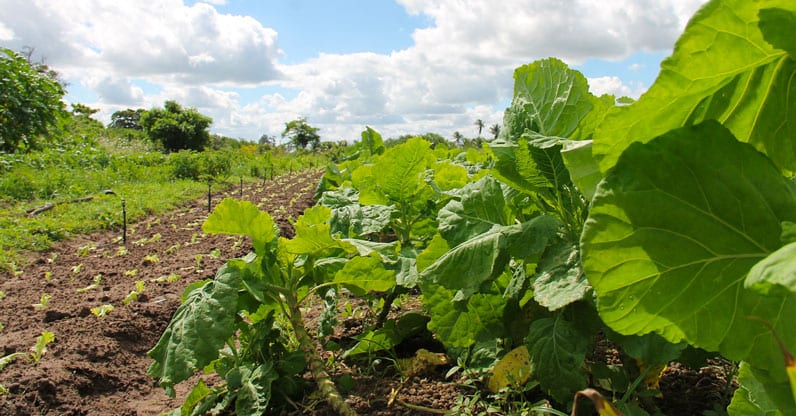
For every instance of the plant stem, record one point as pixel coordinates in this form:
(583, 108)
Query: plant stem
(314, 362)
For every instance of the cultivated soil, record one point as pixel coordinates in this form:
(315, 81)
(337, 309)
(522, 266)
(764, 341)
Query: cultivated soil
(97, 366)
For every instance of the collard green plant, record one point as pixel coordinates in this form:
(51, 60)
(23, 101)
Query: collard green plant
(689, 233)
(209, 329)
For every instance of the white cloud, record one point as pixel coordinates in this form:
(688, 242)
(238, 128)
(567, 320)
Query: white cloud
(458, 70)
(118, 91)
(5, 33)
(614, 86)
(164, 40)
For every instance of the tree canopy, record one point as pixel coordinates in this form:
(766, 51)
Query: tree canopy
(301, 134)
(176, 128)
(30, 101)
(127, 119)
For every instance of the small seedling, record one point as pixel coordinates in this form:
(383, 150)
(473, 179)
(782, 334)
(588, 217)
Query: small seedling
(131, 273)
(199, 257)
(8, 359)
(145, 241)
(83, 251)
(2, 294)
(44, 301)
(171, 278)
(151, 259)
(122, 251)
(40, 348)
(102, 311)
(15, 270)
(215, 253)
(133, 296)
(77, 268)
(52, 258)
(173, 248)
(97, 281)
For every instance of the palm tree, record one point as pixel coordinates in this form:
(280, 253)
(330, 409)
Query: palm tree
(480, 124)
(458, 138)
(495, 129)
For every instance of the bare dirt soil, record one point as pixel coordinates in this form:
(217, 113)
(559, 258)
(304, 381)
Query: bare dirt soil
(97, 366)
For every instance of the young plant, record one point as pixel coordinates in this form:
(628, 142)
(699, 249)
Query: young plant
(278, 277)
(140, 287)
(44, 302)
(40, 348)
(102, 310)
(96, 284)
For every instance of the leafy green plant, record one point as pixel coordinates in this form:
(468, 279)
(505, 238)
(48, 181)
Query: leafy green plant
(713, 222)
(273, 281)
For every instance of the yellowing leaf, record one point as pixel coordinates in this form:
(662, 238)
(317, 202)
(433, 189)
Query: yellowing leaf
(604, 407)
(423, 361)
(514, 369)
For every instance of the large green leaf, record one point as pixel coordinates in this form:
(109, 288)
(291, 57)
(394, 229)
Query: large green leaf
(236, 217)
(254, 393)
(549, 99)
(775, 272)
(673, 231)
(780, 15)
(396, 176)
(364, 274)
(558, 351)
(461, 324)
(583, 169)
(560, 279)
(751, 398)
(722, 68)
(479, 207)
(484, 257)
(199, 328)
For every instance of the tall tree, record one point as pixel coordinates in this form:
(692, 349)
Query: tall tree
(267, 140)
(127, 119)
(495, 130)
(300, 134)
(480, 124)
(30, 101)
(177, 128)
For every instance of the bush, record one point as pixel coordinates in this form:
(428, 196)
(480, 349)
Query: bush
(185, 164)
(30, 102)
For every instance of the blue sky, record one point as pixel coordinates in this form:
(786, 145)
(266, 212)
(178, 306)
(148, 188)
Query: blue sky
(402, 67)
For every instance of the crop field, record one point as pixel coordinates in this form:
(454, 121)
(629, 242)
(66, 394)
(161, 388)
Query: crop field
(599, 255)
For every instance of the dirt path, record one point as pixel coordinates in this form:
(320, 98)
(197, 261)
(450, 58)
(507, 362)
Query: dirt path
(97, 366)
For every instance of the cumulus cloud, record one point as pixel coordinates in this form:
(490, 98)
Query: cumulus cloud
(165, 40)
(459, 68)
(6, 34)
(614, 86)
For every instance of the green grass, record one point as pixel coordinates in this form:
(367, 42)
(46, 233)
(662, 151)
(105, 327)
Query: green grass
(145, 179)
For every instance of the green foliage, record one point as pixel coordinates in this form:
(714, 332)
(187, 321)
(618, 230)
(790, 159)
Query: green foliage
(300, 134)
(127, 119)
(30, 102)
(176, 128)
(723, 68)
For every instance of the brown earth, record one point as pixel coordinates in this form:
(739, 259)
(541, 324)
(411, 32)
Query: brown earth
(97, 366)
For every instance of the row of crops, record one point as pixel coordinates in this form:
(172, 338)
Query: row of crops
(665, 226)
